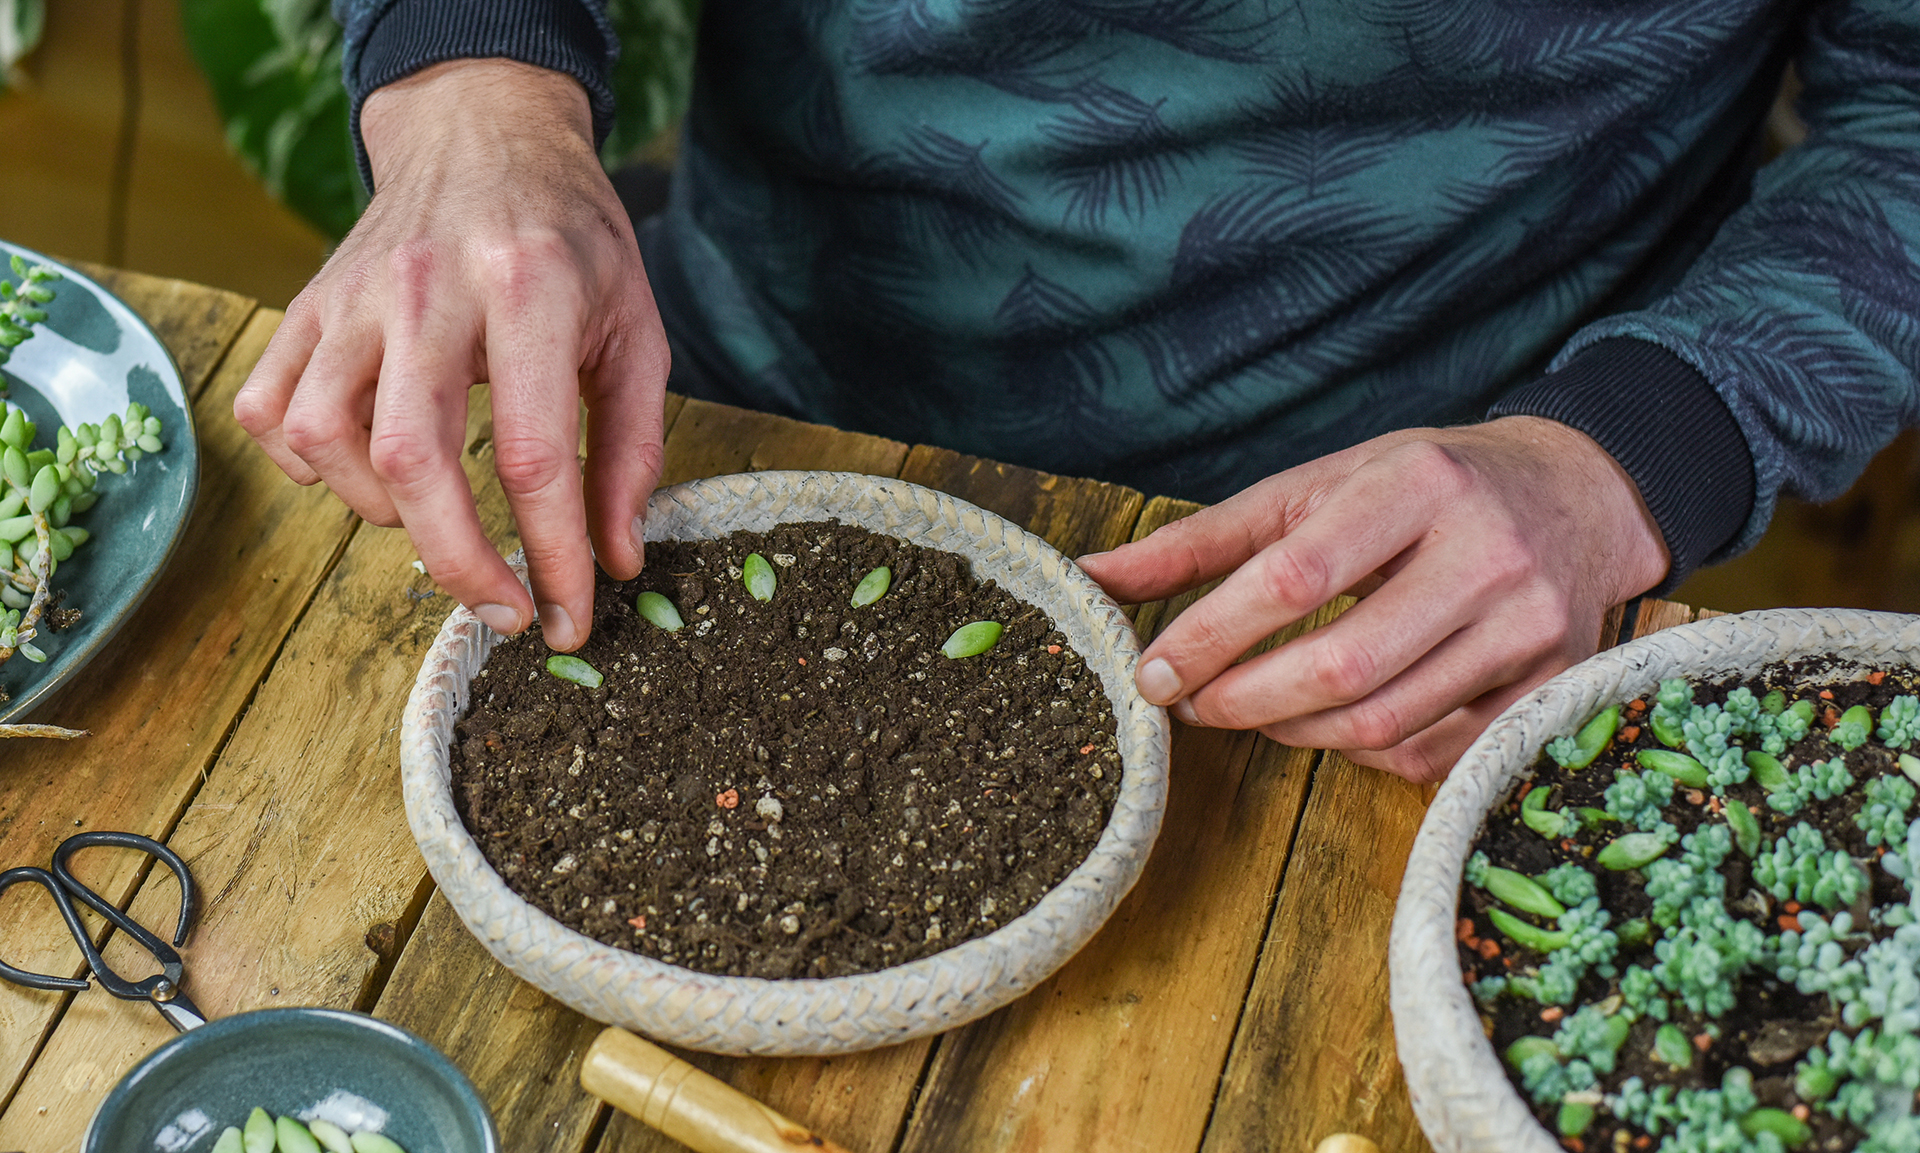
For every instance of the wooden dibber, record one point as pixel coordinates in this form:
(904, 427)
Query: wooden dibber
(693, 1107)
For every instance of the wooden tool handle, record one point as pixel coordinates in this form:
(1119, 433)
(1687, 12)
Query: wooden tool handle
(694, 1108)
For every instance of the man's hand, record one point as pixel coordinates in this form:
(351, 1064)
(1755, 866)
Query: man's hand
(1491, 553)
(494, 250)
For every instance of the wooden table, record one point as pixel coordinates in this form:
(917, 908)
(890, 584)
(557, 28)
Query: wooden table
(1236, 1002)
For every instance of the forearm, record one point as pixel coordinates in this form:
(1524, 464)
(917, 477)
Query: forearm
(1802, 314)
(389, 40)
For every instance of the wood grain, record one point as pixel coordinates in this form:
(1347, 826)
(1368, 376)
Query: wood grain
(1075, 516)
(298, 835)
(1657, 615)
(716, 439)
(521, 1048)
(1314, 1054)
(1121, 1049)
(197, 323)
(255, 550)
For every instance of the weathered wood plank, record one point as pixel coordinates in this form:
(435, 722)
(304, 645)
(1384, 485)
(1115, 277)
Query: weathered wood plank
(162, 701)
(1314, 1054)
(1121, 1049)
(197, 323)
(1075, 516)
(521, 1048)
(716, 439)
(1657, 615)
(298, 835)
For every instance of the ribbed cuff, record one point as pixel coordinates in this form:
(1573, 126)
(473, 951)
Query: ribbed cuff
(1667, 427)
(413, 34)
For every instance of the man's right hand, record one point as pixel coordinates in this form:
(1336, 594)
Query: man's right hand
(495, 250)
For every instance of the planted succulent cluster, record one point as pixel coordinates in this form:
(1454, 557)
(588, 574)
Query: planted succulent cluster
(757, 576)
(43, 489)
(1706, 889)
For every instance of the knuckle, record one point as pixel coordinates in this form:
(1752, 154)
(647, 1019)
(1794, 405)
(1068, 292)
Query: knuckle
(400, 455)
(1294, 576)
(310, 430)
(1433, 466)
(1347, 671)
(1376, 725)
(253, 411)
(650, 458)
(1223, 708)
(1412, 761)
(527, 465)
(520, 269)
(412, 262)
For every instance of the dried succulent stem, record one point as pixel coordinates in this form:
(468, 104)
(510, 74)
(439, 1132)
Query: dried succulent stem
(50, 732)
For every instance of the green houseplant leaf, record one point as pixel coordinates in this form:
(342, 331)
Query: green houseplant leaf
(274, 66)
(21, 23)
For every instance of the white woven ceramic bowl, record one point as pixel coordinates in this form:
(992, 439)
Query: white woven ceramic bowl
(841, 1014)
(1460, 1093)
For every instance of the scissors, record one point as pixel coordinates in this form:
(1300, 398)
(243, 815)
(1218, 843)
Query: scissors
(162, 990)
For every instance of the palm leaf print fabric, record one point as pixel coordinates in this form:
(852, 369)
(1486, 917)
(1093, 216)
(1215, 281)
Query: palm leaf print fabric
(1185, 244)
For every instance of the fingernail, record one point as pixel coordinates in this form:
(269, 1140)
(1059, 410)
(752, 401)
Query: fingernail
(1158, 682)
(640, 538)
(1183, 712)
(556, 627)
(1092, 556)
(499, 618)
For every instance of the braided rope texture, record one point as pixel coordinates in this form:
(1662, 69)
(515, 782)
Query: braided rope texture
(741, 1015)
(1461, 1096)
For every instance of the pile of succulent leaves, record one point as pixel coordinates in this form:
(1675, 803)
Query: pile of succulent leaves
(1697, 928)
(43, 488)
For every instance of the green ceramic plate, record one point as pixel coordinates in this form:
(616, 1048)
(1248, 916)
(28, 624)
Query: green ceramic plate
(354, 1070)
(89, 359)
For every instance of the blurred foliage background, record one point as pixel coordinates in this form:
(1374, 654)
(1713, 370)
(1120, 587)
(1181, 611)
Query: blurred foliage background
(274, 66)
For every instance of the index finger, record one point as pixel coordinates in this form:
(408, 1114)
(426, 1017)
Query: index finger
(1193, 550)
(419, 419)
(533, 359)
(1363, 525)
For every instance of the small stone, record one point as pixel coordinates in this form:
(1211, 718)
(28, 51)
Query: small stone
(789, 924)
(565, 865)
(835, 654)
(769, 808)
(785, 559)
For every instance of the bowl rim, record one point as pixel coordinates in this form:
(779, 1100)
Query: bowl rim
(763, 1016)
(1461, 1095)
(278, 1017)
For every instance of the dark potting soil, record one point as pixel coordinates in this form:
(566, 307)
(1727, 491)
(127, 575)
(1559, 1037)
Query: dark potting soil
(797, 788)
(1772, 1024)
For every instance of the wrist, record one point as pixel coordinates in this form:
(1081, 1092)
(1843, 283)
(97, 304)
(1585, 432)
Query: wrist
(1630, 554)
(451, 103)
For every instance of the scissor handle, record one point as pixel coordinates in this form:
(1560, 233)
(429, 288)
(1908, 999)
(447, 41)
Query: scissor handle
(53, 885)
(170, 963)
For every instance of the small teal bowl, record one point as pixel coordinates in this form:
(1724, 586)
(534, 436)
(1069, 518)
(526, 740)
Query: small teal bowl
(354, 1070)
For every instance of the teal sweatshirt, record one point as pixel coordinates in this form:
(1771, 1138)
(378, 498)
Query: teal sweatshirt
(1185, 244)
